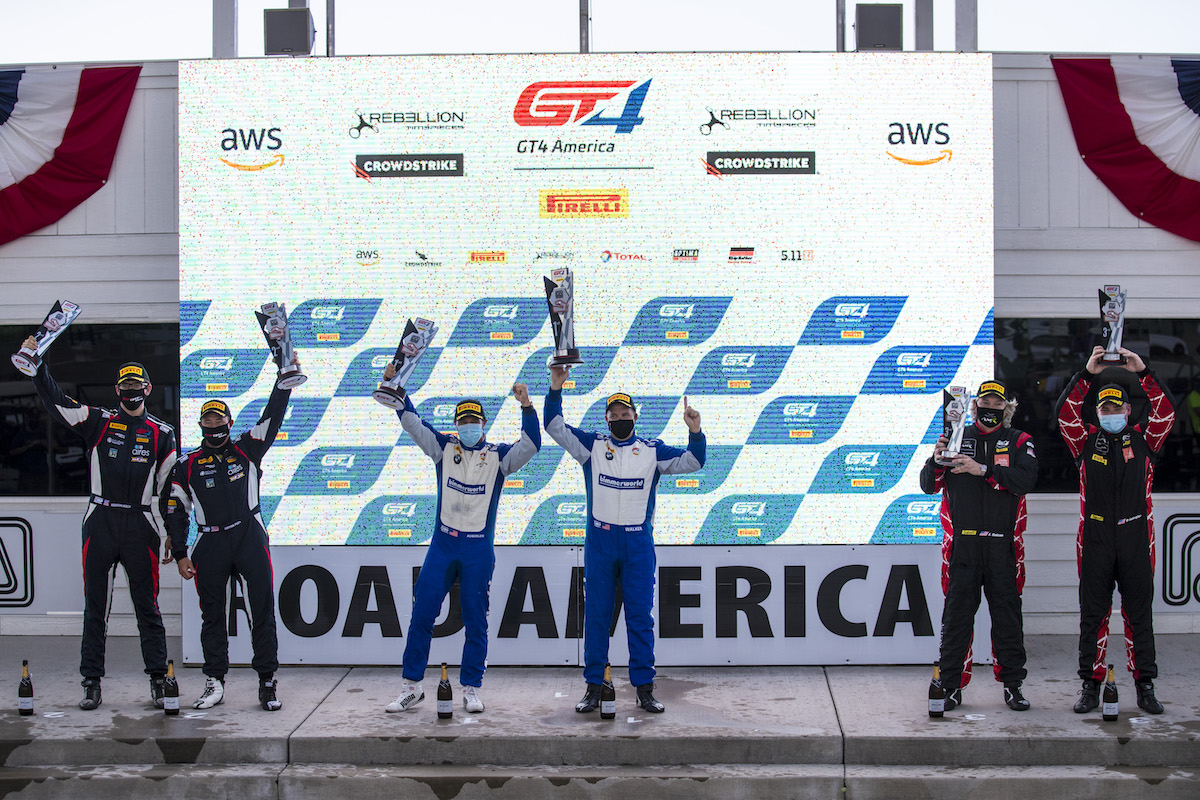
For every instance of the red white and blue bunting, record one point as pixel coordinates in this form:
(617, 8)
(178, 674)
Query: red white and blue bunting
(1137, 125)
(58, 133)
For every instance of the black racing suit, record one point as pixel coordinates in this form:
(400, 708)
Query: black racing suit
(129, 460)
(220, 485)
(1115, 542)
(983, 527)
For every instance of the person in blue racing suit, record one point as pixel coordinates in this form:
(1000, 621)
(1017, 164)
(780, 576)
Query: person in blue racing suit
(470, 477)
(620, 473)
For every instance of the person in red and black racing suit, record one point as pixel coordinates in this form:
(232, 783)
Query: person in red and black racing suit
(1115, 542)
(983, 527)
(219, 482)
(131, 454)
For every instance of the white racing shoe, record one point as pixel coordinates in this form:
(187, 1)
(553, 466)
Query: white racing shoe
(471, 701)
(411, 694)
(214, 693)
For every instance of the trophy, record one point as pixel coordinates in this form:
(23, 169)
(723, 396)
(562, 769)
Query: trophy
(956, 401)
(62, 315)
(273, 321)
(1112, 322)
(560, 298)
(413, 344)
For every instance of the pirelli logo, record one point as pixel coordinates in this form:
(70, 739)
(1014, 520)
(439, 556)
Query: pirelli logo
(687, 483)
(499, 336)
(738, 384)
(852, 334)
(924, 531)
(676, 335)
(573, 533)
(337, 484)
(488, 257)
(749, 532)
(216, 387)
(583, 203)
(568, 384)
(801, 434)
(862, 483)
(281, 436)
(399, 533)
(514, 483)
(329, 337)
(914, 383)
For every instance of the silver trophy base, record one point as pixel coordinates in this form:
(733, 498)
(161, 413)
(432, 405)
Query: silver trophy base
(564, 358)
(26, 363)
(946, 459)
(290, 377)
(1108, 358)
(392, 398)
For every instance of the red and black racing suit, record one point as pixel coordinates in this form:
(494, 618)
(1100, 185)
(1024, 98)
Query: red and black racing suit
(1115, 543)
(129, 460)
(983, 527)
(221, 486)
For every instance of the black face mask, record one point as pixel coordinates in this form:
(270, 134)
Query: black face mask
(215, 437)
(990, 417)
(133, 398)
(621, 428)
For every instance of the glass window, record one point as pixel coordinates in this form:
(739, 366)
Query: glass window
(38, 457)
(1037, 357)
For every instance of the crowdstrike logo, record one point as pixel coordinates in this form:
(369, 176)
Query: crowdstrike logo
(409, 165)
(792, 162)
(244, 147)
(559, 103)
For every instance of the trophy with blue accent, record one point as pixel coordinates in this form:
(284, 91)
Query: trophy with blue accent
(560, 299)
(1112, 322)
(63, 314)
(272, 318)
(416, 339)
(956, 402)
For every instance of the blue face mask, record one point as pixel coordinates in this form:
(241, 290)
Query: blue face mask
(1113, 423)
(470, 434)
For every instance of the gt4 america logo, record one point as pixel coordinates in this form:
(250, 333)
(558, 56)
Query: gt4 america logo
(556, 103)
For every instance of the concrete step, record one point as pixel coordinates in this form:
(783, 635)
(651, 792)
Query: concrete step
(1095, 782)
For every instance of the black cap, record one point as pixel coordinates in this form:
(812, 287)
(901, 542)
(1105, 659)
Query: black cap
(214, 407)
(132, 370)
(469, 408)
(1112, 393)
(993, 387)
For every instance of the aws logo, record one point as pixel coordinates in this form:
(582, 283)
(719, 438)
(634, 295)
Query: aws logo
(903, 134)
(365, 257)
(245, 146)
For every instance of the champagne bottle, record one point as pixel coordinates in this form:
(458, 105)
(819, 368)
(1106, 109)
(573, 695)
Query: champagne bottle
(445, 696)
(1110, 697)
(608, 696)
(170, 691)
(25, 692)
(937, 694)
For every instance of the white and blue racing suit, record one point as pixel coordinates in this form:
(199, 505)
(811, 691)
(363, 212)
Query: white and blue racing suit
(469, 483)
(621, 478)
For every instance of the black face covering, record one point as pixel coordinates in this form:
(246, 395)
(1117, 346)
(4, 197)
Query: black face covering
(133, 398)
(990, 417)
(215, 437)
(621, 428)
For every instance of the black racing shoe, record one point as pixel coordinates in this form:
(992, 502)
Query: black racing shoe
(1013, 697)
(158, 689)
(267, 698)
(1146, 700)
(91, 694)
(953, 699)
(1089, 696)
(591, 699)
(645, 699)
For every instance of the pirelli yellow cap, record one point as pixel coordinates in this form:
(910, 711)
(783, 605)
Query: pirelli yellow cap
(469, 408)
(620, 398)
(1111, 394)
(132, 371)
(992, 387)
(215, 407)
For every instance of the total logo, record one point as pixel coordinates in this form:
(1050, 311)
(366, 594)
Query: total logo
(429, 120)
(366, 257)
(862, 459)
(613, 255)
(583, 203)
(553, 104)
(244, 147)
(920, 134)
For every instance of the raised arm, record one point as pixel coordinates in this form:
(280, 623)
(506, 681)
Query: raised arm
(531, 434)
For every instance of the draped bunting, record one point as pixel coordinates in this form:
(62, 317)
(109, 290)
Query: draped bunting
(58, 133)
(1137, 125)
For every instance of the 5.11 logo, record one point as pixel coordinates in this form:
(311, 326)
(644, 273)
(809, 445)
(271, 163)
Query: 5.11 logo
(554, 104)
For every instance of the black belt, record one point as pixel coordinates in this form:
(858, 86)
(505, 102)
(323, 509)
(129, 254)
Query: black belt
(230, 526)
(100, 501)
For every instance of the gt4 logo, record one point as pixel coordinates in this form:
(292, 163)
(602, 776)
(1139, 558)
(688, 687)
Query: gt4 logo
(219, 363)
(805, 409)
(851, 309)
(497, 312)
(328, 312)
(913, 359)
(399, 509)
(679, 311)
(444, 410)
(862, 458)
(555, 103)
(343, 460)
(748, 508)
(572, 509)
(381, 361)
(924, 507)
(737, 360)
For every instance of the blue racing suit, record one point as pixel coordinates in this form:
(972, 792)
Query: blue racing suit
(469, 483)
(621, 478)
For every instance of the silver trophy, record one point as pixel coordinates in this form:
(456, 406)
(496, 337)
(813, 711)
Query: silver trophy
(1112, 321)
(63, 314)
(956, 401)
(272, 318)
(560, 298)
(413, 344)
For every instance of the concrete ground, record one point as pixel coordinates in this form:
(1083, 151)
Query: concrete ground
(795, 732)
